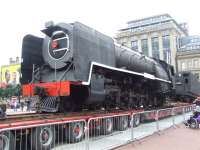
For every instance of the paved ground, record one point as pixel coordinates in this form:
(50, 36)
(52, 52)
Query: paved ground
(180, 138)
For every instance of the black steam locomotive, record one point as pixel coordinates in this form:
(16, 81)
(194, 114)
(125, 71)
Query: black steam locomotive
(76, 67)
(187, 86)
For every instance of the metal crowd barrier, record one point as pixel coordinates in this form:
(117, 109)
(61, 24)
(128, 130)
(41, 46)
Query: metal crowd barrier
(156, 121)
(144, 124)
(97, 133)
(58, 136)
(108, 131)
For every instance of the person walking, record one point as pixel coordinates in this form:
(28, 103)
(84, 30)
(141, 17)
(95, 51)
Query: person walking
(28, 105)
(15, 106)
(22, 106)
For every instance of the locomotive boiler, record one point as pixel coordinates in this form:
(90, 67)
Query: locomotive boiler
(75, 67)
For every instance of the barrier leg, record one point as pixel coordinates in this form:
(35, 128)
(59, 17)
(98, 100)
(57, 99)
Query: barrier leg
(157, 122)
(184, 114)
(87, 135)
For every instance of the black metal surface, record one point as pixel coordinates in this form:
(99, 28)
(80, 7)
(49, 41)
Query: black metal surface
(31, 54)
(131, 60)
(187, 85)
(97, 91)
(90, 45)
(87, 45)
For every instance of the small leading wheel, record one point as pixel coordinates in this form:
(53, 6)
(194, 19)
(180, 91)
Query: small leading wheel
(7, 140)
(107, 126)
(74, 132)
(43, 138)
(122, 123)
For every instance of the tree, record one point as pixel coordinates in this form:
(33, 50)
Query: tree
(17, 91)
(11, 90)
(1, 93)
(8, 91)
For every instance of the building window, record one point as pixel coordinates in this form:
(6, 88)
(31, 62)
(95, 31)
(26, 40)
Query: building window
(123, 43)
(134, 45)
(197, 75)
(166, 48)
(183, 66)
(144, 43)
(155, 47)
(196, 63)
(189, 65)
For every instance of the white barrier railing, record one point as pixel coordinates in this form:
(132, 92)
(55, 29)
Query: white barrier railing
(59, 135)
(108, 131)
(95, 133)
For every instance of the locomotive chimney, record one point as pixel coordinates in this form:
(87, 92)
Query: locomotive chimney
(49, 24)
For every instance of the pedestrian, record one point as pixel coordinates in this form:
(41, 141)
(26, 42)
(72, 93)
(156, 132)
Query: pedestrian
(197, 101)
(28, 105)
(15, 106)
(22, 106)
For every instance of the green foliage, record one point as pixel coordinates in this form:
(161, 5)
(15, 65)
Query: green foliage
(1, 92)
(10, 90)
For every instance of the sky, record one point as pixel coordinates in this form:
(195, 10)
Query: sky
(21, 17)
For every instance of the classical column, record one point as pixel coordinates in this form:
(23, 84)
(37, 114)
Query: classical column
(149, 46)
(139, 44)
(173, 48)
(160, 42)
(128, 42)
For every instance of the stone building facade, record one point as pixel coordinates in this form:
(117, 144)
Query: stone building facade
(188, 55)
(155, 36)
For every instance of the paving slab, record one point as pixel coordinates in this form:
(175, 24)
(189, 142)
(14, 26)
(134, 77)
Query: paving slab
(179, 138)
